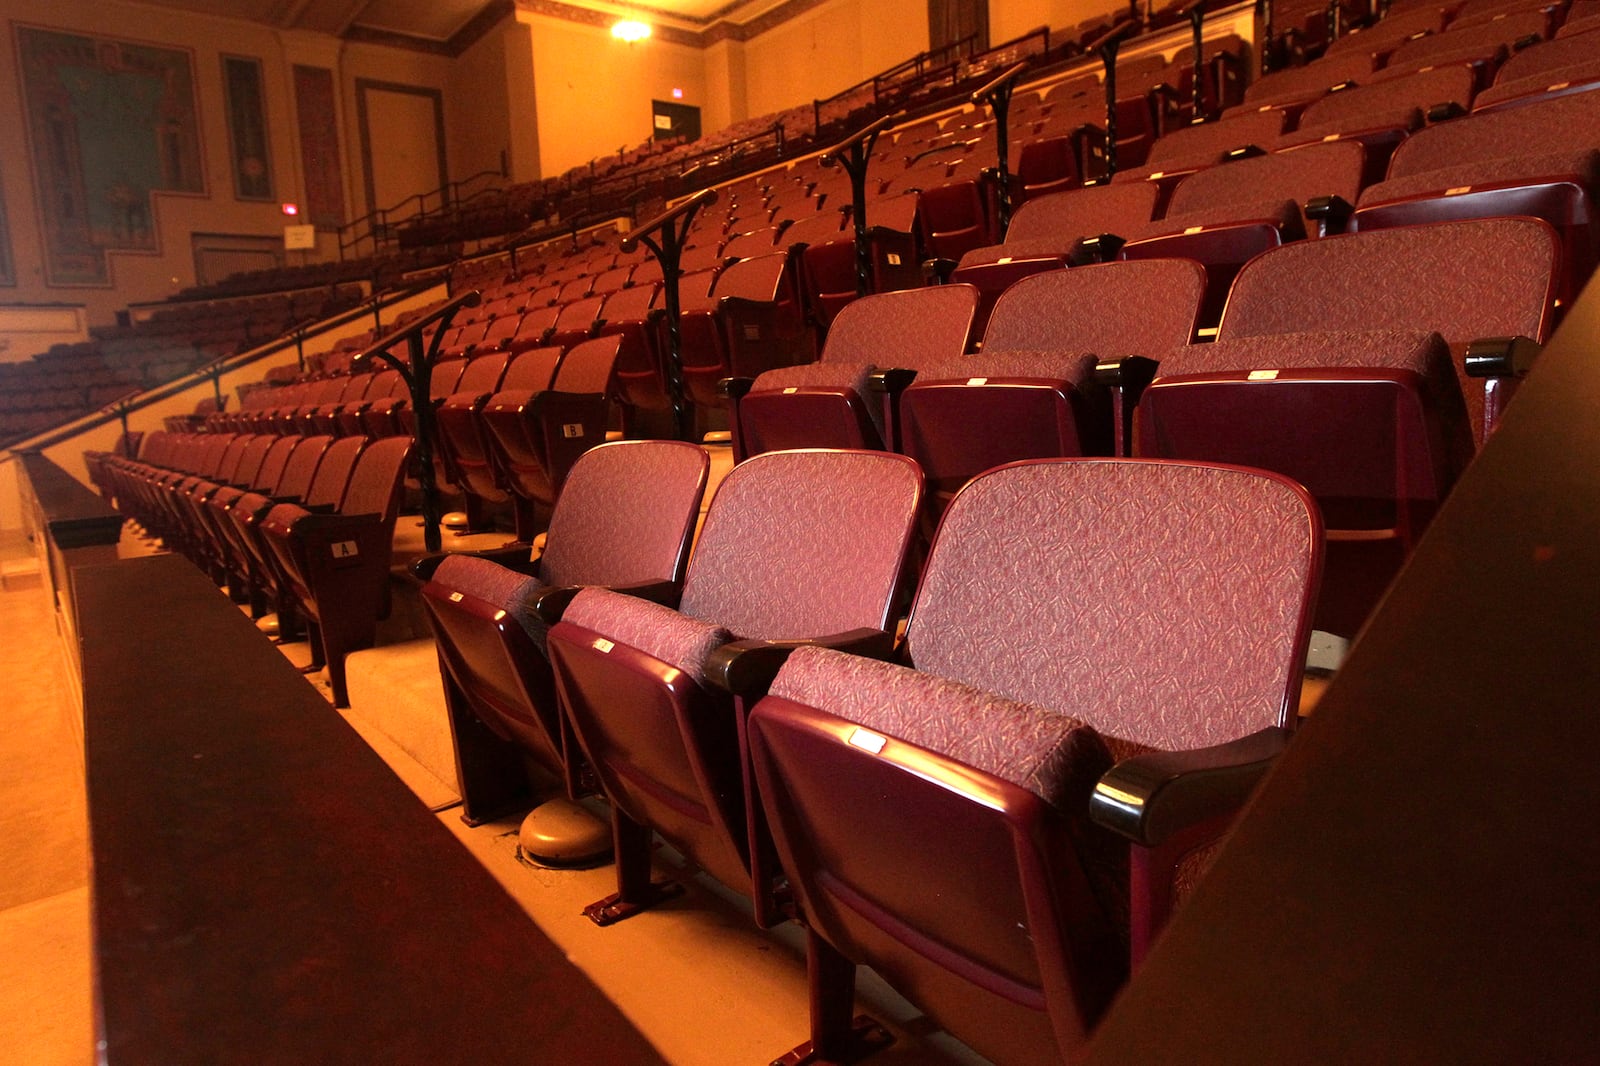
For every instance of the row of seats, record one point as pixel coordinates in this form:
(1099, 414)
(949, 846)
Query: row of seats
(303, 525)
(1084, 634)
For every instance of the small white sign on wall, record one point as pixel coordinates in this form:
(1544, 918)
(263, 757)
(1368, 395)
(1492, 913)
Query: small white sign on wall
(297, 238)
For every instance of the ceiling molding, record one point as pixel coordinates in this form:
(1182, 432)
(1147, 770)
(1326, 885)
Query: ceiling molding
(478, 27)
(717, 25)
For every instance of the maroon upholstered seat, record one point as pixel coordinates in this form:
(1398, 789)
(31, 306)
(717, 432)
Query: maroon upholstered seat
(753, 321)
(1372, 424)
(827, 403)
(1045, 232)
(1030, 393)
(1391, 279)
(624, 521)
(664, 745)
(1223, 216)
(336, 566)
(533, 433)
(1541, 160)
(932, 815)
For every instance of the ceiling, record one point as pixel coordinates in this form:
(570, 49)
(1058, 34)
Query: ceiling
(440, 20)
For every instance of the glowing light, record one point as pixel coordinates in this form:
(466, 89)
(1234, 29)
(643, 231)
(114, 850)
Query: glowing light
(677, 94)
(290, 209)
(630, 31)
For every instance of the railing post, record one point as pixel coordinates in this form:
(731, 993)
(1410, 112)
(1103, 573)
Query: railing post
(998, 96)
(665, 236)
(1197, 16)
(417, 372)
(855, 155)
(1107, 47)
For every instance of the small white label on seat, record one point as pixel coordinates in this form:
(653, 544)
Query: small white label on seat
(1330, 137)
(344, 549)
(1458, 190)
(860, 738)
(1263, 375)
(1193, 229)
(1558, 86)
(1003, 260)
(977, 381)
(455, 597)
(1157, 175)
(572, 429)
(791, 388)
(894, 259)
(603, 646)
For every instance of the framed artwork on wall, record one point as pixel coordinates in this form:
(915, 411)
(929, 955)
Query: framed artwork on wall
(110, 124)
(247, 128)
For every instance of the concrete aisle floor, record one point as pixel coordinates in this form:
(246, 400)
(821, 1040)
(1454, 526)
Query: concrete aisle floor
(45, 1013)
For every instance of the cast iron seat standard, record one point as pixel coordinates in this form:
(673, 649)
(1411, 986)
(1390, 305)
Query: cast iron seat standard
(1129, 627)
(533, 435)
(336, 566)
(1048, 233)
(1541, 160)
(846, 399)
(1348, 388)
(624, 522)
(1031, 392)
(767, 574)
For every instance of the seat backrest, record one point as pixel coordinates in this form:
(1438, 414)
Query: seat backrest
(377, 482)
(1550, 56)
(757, 278)
(767, 564)
(1110, 309)
(1311, 79)
(333, 472)
(295, 481)
(482, 374)
(1332, 169)
(446, 377)
(274, 463)
(587, 367)
(629, 305)
(1089, 212)
(904, 329)
(626, 514)
(1560, 124)
(531, 370)
(1364, 106)
(1485, 35)
(1197, 145)
(1167, 603)
(1464, 280)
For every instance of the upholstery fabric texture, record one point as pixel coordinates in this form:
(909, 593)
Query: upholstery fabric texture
(1332, 169)
(1571, 74)
(673, 638)
(622, 514)
(1563, 124)
(587, 367)
(1312, 80)
(1111, 309)
(903, 328)
(1052, 755)
(495, 584)
(375, 482)
(1159, 602)
(836, 375)
(1389, 279)
(1072, 368)
(804, 544)
(1582, 164)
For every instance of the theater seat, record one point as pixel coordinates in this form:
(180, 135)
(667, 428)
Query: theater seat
(767, 568)
(336, 566)
(624, 522)
(932, 816)
(1030, 393)
(831, 403)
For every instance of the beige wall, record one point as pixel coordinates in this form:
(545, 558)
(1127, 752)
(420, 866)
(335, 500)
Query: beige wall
(592, 92)
(831, 48)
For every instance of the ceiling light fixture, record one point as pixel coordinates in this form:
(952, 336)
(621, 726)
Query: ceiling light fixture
(630, 31)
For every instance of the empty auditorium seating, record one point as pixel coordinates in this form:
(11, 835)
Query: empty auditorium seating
(337, 565)
(1030, 393)
(767, 568)
(832, 403)
(932, 816)
(624, 522)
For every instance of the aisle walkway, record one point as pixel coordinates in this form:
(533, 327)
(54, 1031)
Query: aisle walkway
(45, 1015)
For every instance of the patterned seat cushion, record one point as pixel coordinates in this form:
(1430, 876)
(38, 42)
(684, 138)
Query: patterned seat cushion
(1582, 164)
(657, 631)
(816, 375)
(1056, 757)
(1074, 368)
(492, 583)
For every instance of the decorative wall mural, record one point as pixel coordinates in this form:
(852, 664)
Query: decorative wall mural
(247, 127)
(319, 146)
(110, 122)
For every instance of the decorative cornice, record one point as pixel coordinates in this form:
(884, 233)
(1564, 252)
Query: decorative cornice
(475, 30)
